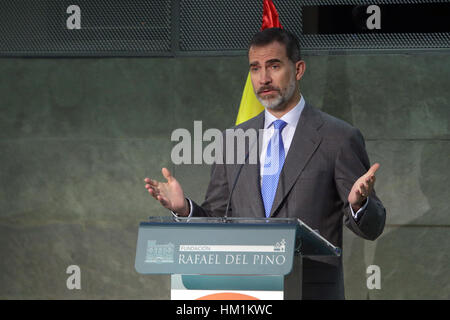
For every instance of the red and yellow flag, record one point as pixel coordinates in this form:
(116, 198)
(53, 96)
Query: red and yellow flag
(250, 106)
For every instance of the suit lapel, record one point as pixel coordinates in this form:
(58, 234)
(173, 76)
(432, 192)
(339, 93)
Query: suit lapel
(305, 142)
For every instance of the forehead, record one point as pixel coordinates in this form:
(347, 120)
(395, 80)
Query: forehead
(261, 54)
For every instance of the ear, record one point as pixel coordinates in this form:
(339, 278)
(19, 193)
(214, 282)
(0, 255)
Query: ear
(300, 67)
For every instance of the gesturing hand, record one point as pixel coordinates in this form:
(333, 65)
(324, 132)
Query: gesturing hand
(169, 194)
(362, 188)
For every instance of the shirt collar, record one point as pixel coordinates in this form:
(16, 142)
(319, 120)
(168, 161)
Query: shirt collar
(291, 117)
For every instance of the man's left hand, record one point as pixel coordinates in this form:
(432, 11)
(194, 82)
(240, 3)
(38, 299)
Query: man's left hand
(362, 188)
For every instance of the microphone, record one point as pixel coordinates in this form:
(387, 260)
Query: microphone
(232, 188)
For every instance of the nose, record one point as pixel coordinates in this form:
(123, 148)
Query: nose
(264, 77)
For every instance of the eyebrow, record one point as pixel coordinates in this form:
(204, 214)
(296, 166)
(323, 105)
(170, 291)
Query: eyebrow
(267, 62)
(273, 61)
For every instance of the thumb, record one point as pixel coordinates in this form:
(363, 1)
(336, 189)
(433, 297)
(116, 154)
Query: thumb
(166, 173)
(373, 169)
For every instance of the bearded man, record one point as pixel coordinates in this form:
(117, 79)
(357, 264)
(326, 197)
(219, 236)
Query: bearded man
(323, 174)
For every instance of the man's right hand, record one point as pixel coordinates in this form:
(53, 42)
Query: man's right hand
(169, 194)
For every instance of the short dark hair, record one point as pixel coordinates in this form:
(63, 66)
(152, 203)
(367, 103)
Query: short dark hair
(288, 39)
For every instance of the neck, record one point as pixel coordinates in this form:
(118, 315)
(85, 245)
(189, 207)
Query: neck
(287, 107)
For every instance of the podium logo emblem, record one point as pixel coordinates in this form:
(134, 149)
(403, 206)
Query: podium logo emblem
(159, 253)
(280, 246)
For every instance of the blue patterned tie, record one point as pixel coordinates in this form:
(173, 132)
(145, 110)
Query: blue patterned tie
(273, 164)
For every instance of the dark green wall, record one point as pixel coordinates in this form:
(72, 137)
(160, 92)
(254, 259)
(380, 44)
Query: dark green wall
(78, 136)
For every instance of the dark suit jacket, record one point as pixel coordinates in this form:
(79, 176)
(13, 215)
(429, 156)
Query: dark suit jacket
(325, 158)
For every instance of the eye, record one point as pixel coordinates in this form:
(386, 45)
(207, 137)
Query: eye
(275, 66)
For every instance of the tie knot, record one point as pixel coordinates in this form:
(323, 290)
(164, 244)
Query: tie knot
(279, 124)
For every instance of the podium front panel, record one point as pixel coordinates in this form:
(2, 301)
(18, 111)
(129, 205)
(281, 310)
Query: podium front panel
(199, 247)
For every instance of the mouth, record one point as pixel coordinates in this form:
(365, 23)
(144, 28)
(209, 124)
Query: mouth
(267, 92)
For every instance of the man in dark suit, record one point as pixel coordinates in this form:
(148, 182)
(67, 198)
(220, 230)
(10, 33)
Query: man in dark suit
(322, 173)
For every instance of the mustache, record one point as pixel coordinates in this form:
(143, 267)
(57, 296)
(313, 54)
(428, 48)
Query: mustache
(264, 88)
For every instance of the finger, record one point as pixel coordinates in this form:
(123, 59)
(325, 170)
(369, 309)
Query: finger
(363, 190)
(166, 173)
(373, 168)
(164, 202)
(150, 187)
(151, 182)
(152, 193)
(359, 195)
(369, 184)
(155, 190)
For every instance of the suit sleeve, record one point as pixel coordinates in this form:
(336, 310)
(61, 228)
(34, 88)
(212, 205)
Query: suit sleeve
(352, 162)
(216, 195)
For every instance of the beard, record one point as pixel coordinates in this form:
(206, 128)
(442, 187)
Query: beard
(278, 102)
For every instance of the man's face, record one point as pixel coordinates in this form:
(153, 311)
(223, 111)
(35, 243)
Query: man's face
(274, 76)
